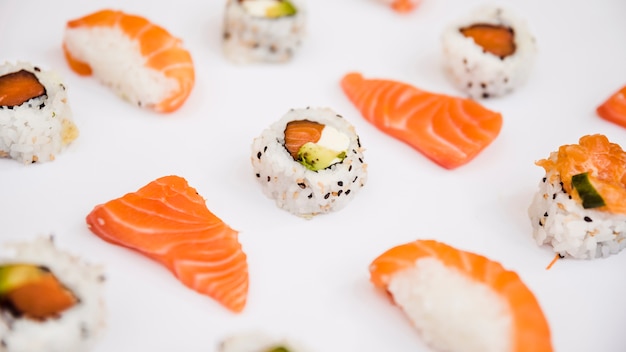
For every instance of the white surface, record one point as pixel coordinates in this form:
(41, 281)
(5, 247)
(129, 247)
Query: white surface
(309, 279)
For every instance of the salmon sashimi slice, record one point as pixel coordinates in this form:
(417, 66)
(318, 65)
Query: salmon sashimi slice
(168, 221)
(403, 6)
(141, 61)
(461, 301)
(603, 165)
(450, 131)
(614, 108)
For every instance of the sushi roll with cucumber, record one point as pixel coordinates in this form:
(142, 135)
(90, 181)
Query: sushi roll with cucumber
(50, 300)
(580, 207)
(263, 30)
(488, 53)
(310, 162)
(35, 117)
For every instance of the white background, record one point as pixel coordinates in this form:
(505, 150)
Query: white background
(309, 279)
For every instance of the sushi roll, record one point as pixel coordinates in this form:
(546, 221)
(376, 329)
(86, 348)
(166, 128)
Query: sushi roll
(50, 300)
(461, 301)
(140, 61)
(255, 341)
(488, 53)
(263, 30)
(310, 162)
(35, 117)
(580, 206)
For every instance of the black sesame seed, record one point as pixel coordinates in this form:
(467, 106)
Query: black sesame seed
(483, 85)
(37, 69)
(358, 142)
(544, 179)
(354, 151)
(43, 105)
(349, 168)
(258, 175)
(561, 183)
(347, 192)
(545, 214)
(301, 185)
(361, 160)
(540, 224)
(340, 183)
(485, 95)
(570, 197)
(355, 178)
(326, 195)
(554, 196)
(339, 116)
(265, 148)
(258, 155)
(310, 196)
(339, 193)
(587, 219)
(561, 256)
(268, 179)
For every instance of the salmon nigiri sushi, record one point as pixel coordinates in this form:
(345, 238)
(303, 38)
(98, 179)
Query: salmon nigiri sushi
(141, 61)
(448, 130)
(168, 221)
(461, 301)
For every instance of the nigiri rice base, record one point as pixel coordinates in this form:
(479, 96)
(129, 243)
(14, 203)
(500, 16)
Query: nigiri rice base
(571, 230)
(39, 129)
(481, 74)
(76, 329)
(117, 62)
(451, 311)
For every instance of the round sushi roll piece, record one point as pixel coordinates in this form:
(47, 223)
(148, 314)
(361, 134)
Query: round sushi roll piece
(50, 300)
(140, 61)
(263, 30)
(461, 301)
(580, 206)
(489, 53)
(256, 341)
(35, 117)
(310, 162)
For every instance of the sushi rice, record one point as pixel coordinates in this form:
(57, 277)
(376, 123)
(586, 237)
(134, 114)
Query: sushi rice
(481, 74)
(249, 38)
(40, 128)
(297, 189)
(76, 329)
(571, 230)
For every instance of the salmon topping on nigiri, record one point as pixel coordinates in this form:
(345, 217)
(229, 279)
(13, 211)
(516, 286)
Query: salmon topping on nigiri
(314, 145)
(16, 88)
(614, 108)
(33, 291)
(496, 39)
(598, 163)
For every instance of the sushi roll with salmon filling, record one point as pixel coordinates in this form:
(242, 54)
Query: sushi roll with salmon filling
(140, 61)
(310, 162)
(50, 300)
(461, 301)
(580, 207)
(35, 117)
(263, 30)
(489, 53)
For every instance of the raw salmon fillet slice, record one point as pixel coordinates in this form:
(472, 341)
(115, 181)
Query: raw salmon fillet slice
(529, 330)
(450, 131)
(614, 108)
(168, 221)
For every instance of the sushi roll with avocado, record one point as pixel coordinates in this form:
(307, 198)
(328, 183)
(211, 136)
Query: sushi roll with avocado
(35, 117)
(488, 53)
(580, 207)
(49, 299)
(310, 161)
(263, 30)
